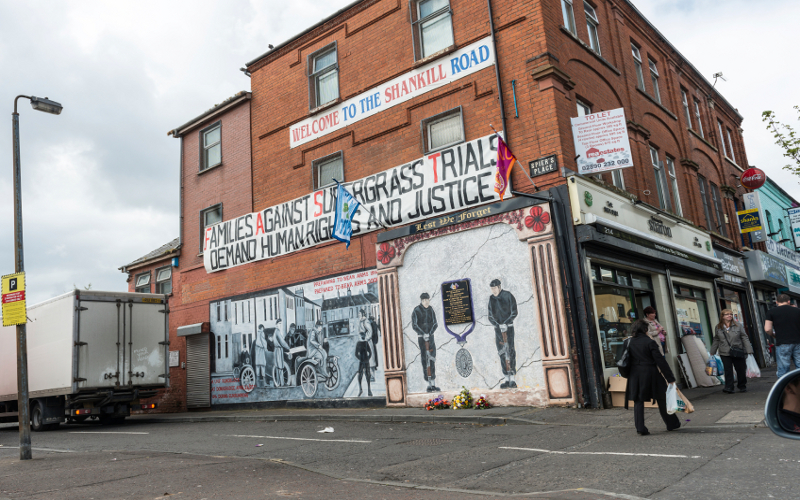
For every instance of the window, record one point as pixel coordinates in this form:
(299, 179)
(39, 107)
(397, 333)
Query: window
(617, 179)
(211, 146)
(661, 180)
(732, 155)
(673, 181)
(583, 109)
(654, 78)
(710, 225)
(569, 16)
(433, 27)
(443, 130)
(781, 235)
(591, 24)
(327, 169)
(143, 283)
(769, 224)
(164, 280)
(637, 62)
(715, 197)
(697, 117)
(208, 218)
(323, 77)
(685, 102)
(721, 138)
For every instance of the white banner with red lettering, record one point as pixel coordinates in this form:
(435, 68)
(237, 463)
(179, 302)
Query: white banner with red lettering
(601, 142)
(438, 73)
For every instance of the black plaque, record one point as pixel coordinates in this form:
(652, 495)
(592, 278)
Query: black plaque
(457, 301)
(543, 165)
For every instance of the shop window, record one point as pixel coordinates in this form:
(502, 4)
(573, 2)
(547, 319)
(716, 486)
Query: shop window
(143, 283)
(606, 274)
(692, 312)
(164, 280)
(432, 25)
(641, 281)
(623, 278)
(697, 118)
(654, 79)
(593, 26)
(323, 76)
(211, 146)
(569, 16)
(717, 199)
(443, 130)
(326, 169)
(637, 63)
(209, 217)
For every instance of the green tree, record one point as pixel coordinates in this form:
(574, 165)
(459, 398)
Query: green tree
(786, 137)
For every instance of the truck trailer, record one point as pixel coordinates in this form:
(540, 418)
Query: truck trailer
(91, 354)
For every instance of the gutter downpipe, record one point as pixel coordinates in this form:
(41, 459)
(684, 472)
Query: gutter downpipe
(497, 74)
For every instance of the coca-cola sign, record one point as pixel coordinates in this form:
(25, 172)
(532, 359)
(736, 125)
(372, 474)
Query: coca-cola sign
(753, 178)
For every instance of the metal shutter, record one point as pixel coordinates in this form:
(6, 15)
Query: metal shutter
(198, 372)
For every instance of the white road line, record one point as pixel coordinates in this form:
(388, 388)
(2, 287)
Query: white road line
(296, 439)
(41, 449)
(658, 455)
(106, 432)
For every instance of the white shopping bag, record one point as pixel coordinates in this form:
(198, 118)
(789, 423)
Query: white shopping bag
(752, 367)
(672, 399)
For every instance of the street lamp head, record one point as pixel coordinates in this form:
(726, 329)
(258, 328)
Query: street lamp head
(46, 105)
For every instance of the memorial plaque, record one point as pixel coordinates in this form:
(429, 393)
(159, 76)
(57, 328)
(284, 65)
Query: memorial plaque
(457, 301)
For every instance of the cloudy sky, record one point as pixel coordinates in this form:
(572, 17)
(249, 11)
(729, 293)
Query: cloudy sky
(100, 181)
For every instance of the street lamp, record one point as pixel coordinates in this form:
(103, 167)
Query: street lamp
(23, 407)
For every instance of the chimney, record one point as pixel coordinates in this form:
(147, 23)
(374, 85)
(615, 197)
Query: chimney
(349, 292)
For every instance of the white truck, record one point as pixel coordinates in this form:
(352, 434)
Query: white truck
(90, 354)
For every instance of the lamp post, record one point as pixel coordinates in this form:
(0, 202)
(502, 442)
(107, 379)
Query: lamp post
(23, 406)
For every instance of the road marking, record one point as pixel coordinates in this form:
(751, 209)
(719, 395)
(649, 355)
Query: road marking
(106, 432)
(40, 449)
(297, 439)
(658, 455)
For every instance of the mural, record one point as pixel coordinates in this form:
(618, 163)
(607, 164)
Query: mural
(468, 312)
(320, 339)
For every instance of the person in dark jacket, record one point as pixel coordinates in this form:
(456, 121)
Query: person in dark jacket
(729, 333)
(423, 321)
(502, 311)
(645, 383)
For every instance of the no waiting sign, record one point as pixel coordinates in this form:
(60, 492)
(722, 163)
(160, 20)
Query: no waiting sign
(13, 298)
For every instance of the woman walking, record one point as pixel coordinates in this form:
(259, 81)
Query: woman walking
(733, 345)
(645, 383)
(654, 329)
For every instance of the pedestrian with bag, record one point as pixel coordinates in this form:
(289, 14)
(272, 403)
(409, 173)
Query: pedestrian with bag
(734, 346)
(785, 320)
(654, 329)
(645, 383)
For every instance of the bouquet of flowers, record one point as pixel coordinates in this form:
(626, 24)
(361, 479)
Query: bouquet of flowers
(463, 400)
(481, 403)
(437, 403)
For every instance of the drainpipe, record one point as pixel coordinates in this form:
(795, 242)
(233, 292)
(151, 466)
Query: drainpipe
(497, 74)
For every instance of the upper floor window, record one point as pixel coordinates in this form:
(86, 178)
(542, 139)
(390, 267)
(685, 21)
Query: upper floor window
(673, 182)
(211, 146)
(768, 215)
(433, 27)
(654, 78)
(717, 199)
(208, 217)
(698, 118)
(710, 224)
(685, 103)
(142, 284)
(569, 16)
(592, 26)
(164, 280)
(443, 130)
(732, 155)
(781, 234)
(583, 109)
(326, 169)
(323, 76)
(721, 140)
(661, 180)
(637, 62)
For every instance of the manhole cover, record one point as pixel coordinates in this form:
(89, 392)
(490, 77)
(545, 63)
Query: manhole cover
(742, 417)
(427, 442)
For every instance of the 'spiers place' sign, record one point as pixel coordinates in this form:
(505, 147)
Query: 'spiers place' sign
(446, 181)
(438, 73)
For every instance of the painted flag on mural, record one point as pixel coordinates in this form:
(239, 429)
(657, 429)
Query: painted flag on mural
(346, 206)
(505, 162)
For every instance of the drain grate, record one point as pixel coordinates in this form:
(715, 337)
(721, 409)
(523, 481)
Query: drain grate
(427, 442)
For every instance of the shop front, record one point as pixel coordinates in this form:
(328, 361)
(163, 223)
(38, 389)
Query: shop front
(633, 256)
(733, 294)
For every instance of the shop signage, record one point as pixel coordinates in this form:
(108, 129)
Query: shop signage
(774, 269)
(601, 142)
(419, 81)
(754, 219)
(753, 178)
(794, 220)
(448, 181)
(783, 253)
(657, 226)
(13, 300)
(543, 166)
(732, 264)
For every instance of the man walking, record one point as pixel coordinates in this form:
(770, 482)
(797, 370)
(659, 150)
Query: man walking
(423, 321)
(502, 311)
(783, 323)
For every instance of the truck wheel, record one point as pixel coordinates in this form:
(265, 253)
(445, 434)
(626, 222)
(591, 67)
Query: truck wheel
(37, 418)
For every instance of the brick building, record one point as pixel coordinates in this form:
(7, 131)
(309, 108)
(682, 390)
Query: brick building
(392, 87)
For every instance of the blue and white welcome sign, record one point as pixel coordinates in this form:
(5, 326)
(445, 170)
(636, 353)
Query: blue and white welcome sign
(436, 74)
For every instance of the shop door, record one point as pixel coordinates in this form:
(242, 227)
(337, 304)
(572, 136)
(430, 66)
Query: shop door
(617, 309)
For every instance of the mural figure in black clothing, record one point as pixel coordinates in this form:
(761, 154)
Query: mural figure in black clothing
(502, 311)
(423, 321)
(364, 351)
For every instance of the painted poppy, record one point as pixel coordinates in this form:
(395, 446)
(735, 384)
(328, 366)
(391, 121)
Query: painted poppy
(537, 220)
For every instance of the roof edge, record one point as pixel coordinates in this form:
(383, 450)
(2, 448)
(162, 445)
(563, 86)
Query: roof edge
(238, 98)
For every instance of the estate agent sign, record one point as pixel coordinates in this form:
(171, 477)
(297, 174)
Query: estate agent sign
(601, 142)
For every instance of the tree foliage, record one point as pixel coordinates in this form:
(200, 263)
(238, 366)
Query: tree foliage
(786, 137)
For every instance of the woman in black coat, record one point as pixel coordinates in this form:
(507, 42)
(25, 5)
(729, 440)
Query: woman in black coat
(645, 383)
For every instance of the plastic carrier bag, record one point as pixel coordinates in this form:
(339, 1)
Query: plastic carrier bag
(672, 399)
(711, 369)
(752, 367)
